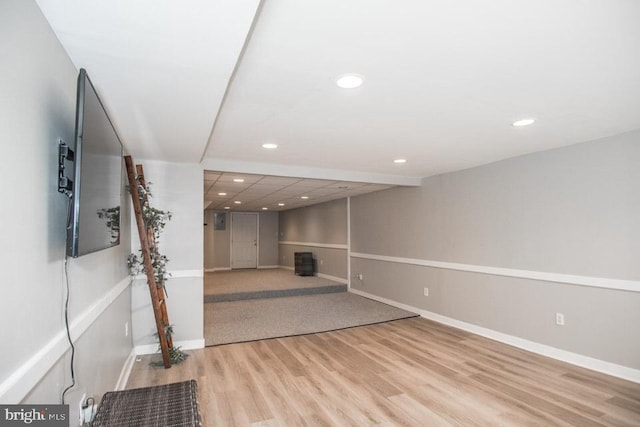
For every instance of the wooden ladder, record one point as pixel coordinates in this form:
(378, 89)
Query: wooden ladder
(158, 300)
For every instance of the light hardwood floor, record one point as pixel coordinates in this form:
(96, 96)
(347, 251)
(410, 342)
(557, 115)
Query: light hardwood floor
(411, 372)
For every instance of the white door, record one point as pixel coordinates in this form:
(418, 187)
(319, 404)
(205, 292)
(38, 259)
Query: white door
(244, 240)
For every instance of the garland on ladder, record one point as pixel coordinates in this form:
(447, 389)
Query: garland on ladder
(155, 220)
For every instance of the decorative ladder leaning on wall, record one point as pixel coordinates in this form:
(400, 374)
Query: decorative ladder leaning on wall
(158, 299)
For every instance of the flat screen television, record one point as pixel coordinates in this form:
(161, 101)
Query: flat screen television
(97, 185)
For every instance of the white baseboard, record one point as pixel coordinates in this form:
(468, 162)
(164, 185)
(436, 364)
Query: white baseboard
(184, 345)
(386, 301)
(211, 270)
(333, 278)
(587, 362)
(126, 371)
(324, 276)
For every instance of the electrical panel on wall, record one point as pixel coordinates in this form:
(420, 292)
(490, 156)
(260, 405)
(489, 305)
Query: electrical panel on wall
(220, 221)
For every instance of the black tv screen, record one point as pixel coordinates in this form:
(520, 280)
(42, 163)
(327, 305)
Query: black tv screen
(94, 221)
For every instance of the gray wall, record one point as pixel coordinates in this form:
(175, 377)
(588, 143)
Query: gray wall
(322, 223)
(176, 187)
(268, 254)
(218, 242)
(37, 105)
(571, 211)
(208, 240)
(308, 229)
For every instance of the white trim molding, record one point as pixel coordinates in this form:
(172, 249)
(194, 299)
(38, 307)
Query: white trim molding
(211, 270)
(348, 242)
(333, 278)
(126, 371)
(598, 282)
(587, 362)
(316, 245)
(144, 349)
(265, 267)
(14, 388)
(177, 274)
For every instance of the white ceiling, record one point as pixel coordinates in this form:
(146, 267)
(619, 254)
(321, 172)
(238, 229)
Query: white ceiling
(444, 80)
(160, 67)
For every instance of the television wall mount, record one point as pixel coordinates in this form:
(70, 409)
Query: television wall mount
(65, 184)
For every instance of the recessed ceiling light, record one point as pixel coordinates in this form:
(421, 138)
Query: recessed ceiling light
(222, 194)
(523, 122)
(237, 202)
(264, 209)
(400, 161)
(270, 146)
(280, 204)
(304, 197)
(238, 179)
(227, 207)
(349, 81)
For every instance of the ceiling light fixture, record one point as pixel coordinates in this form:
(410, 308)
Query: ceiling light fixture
(222, 194)
(269, 146)
(237, 202)
(349, 81)
(264, 209)
(400, 161)
(523, 122)
(238, 179)
(227, 207)
(304, 197)
(280, 204)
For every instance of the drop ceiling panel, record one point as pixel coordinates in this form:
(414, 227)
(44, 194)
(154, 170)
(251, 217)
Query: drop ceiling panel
(230, 177)
(260, 191)
(278, 180)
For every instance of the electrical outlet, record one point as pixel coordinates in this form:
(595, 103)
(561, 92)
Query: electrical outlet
(86, 411)
(321, 262)
(126, 329)
(426, 292)
(89, 413)
(559, 319)
(359, 276)
(81, 408)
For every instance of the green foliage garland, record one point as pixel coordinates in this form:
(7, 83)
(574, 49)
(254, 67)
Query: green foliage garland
(155, 220)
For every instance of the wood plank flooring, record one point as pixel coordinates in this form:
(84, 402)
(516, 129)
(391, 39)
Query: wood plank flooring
(410, 372)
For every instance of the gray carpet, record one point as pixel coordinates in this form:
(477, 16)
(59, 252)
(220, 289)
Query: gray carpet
(249, 320)
(278, 293)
